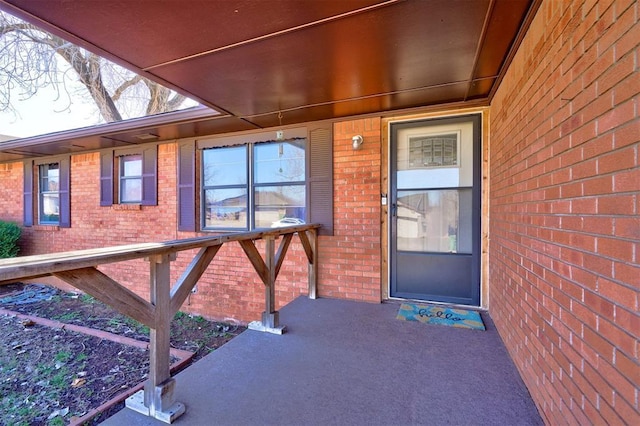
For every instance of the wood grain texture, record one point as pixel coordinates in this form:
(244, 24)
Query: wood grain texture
(107, 290)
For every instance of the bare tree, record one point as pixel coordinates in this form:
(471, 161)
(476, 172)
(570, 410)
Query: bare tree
(30, 60)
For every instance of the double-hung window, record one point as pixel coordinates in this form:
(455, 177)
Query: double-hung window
(257, 185)
(129, 176)
(130, 179)
(49, 194)
(47, 199)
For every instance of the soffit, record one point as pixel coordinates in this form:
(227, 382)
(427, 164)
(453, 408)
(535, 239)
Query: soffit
(279, 62)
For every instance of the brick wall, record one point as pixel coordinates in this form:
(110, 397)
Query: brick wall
(564, 211)
(349, 261)
(11, 192)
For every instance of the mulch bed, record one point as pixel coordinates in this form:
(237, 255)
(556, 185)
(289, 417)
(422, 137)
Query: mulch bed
(49, 376)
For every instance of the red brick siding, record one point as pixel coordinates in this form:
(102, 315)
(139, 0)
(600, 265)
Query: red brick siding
(349, 261)
(11, 192)
(564, 211)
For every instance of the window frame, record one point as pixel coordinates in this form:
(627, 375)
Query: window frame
(110, 187)
(267, 184)
(123, 178)
(251, 185)
(31, 192)
(246, 186)
(42, 193)
(319, 169)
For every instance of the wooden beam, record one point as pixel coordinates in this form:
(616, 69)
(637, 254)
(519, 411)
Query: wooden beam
(255, 258)
(105, 289)
(270, 317)
(282, 252)
(155, 398)
(307, 245)
(191, 276)
(313, 265)
(23, 267)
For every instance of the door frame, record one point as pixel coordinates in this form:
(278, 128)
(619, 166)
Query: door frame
(480, 159)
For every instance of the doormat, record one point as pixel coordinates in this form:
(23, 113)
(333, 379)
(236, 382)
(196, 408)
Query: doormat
(460, 318)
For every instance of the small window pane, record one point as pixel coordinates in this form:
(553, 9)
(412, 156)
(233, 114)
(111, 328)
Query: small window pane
(132, 165)
(225, 166)
(49, 177)
(433, 151)
(131, 190)
(226, 208)
(50, 208)
(280, 206)
(279, 162)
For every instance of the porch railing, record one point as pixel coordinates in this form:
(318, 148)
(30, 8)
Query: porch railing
(79, 268)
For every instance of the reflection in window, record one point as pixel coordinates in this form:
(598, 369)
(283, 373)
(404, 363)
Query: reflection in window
(279, 162)
(279, 205)
(279, 183)
(49, 194)
(434, 221)
(225, 187)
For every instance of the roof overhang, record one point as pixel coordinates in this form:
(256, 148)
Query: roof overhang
(262, 64)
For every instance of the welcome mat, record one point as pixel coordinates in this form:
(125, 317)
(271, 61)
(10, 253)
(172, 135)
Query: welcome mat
(460, 318)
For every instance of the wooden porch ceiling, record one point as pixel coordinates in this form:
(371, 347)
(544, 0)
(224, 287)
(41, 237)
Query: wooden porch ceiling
(308, 60)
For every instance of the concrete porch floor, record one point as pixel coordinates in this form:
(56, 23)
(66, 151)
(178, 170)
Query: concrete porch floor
(350, 363)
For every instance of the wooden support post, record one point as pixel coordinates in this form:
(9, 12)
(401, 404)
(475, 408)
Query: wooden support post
(270, 317)
(157, 399)
(309, 240)
(313, 265)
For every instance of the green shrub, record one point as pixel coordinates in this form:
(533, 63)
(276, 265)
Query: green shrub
(9, 235)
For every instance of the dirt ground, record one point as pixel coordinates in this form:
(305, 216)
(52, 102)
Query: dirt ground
(48, 376)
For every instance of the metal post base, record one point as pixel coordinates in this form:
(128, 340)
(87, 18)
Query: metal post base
(269, 324)
(258, 326)
(163, 413)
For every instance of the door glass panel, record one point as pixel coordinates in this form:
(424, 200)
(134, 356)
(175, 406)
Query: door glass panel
(436, 221)
(433, 157)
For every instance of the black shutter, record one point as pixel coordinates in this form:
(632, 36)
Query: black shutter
(106, 178)
(64, 192)
(149, 176)
(28, 193)
(186, 187)
(320, 182)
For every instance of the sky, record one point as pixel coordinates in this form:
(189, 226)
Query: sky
(49, 111)
(46, 112)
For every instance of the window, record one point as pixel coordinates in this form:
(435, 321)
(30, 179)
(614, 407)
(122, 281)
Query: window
(246, 183)
(258, 185)
(135, 171)
(131, 179)
(279, 183)
(46, 192)
(225, 188)
(49, 194)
